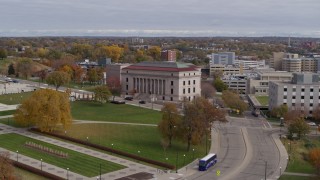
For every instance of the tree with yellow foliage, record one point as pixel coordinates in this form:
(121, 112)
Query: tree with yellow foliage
(114, 52)
(58, 78)
(155, 52)
(45, 109)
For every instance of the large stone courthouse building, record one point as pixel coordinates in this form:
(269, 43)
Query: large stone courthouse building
(162, 81)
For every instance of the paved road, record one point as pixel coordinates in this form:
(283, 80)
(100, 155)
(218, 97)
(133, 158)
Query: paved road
(246, 144)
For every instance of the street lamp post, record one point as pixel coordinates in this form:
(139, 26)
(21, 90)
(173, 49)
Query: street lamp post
(67, 173)
(265, 169)
(184, 159)
(177, 162)
(41, 164)
(280, 172)
(100, 170)
(87, 139)
(193, 154)
(206, 142)
(17, 156)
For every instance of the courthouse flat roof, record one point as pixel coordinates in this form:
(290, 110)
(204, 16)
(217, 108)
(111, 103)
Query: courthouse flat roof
(163, 66)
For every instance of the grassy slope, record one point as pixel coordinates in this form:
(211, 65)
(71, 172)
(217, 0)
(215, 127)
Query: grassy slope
(14, 98)
(289, 177)
(297, 161)
(77, 162)
(5, 113)
(114, 112)
(26, 175)
(264, 100)
(132, 139)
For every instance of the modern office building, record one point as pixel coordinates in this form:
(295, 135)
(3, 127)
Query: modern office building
(225, 69)
(285, 62)
(260, 84)
(250, 64)
(291, 64)
(226, 58)
(164, 81)
(302, 93)
(309, 64)
(237, 83)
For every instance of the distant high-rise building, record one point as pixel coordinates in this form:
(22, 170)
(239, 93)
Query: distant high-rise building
(226, 58)
(168, 55)
(137, 40)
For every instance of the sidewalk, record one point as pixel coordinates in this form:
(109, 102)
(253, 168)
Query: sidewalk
(4, 107)
(283, 161)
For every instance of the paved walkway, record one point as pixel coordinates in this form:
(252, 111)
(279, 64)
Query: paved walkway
(4, 107)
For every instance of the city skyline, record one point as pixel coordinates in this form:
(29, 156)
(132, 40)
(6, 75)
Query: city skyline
(160, 18)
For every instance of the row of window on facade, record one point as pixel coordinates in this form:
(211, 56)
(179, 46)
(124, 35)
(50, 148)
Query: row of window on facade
(294, 90)
(302, 97)
(301, 104)
(184, 82)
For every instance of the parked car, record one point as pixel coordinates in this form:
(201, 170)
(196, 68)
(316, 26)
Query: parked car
(311, 123)
(8, 80)
(15, 81)
(128, 98)
(142, 102)
(118, 102)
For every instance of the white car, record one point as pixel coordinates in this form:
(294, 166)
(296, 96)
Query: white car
(311, 124)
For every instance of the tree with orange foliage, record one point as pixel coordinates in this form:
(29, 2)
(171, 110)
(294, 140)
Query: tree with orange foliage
(67, 69)
(6, 168)
(314, 156)
(78, 73)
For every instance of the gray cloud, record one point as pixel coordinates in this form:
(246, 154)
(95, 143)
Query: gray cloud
(156, 17)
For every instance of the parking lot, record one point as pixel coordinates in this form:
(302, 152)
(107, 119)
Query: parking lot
(11, 87)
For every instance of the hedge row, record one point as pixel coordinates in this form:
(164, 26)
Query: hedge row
(36, 171)
(121, 153)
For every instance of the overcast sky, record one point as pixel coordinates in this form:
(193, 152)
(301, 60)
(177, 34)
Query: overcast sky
(160, 17)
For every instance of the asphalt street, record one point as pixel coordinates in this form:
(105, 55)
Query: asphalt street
(247, 151)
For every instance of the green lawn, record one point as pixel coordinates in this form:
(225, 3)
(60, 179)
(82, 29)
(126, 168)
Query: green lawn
(26, 175)
(130, 138)
(11, 99)
(298, 155)
(290, 177)
(94, 111)
(10, 122)
(264, 100)
(77, 162)
(5, 113)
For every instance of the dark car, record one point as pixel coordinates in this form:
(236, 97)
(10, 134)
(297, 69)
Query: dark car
(128, 98)
(15, 81)
(118, 102)
(142, 102)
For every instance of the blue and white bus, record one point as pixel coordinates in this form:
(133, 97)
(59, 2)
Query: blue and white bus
(207, 161)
